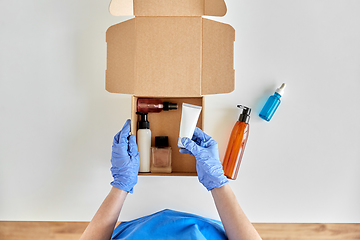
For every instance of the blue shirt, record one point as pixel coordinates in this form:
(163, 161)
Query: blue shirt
(169, 224)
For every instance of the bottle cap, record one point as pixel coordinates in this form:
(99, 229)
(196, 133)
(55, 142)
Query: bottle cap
(143, 123)
(281, 89)
(169, 106)
(245, 115)
(161, 141)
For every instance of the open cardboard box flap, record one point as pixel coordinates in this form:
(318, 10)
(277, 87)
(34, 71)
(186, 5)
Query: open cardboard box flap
(169, 51)
(167, 7)
(156, 56)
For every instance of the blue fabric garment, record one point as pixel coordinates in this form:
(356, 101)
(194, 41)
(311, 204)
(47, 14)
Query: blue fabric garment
(169, 224)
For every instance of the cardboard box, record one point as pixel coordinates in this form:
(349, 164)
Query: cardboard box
(169, 51)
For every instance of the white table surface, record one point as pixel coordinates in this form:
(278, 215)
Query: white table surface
(57, 121)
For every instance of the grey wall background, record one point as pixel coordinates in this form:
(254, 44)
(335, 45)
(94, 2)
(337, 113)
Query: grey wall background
(57, 121)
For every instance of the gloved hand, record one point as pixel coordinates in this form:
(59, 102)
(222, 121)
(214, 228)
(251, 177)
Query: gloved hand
(125, 159)
(208, 165)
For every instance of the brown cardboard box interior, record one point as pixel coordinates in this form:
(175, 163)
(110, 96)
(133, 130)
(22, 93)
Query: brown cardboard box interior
(167, 123)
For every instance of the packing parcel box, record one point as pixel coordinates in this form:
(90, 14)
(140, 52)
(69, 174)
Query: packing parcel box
(169, 51)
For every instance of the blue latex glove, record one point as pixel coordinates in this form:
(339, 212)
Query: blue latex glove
(208, 165)
(125, 159)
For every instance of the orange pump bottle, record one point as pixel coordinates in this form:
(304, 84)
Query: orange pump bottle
(237, 142)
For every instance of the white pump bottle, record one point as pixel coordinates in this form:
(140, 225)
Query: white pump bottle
(144, 142)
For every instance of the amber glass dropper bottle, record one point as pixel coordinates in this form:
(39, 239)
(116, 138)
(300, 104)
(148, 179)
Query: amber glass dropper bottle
(236, 146)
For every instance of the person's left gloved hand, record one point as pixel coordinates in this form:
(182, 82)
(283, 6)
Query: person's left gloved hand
(125, 159)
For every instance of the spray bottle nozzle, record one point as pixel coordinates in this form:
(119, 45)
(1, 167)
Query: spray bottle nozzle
(245, 114)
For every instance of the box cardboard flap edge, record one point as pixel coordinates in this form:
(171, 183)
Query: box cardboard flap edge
(170, 57)
(168, 8)
(218, 74)
(120, 72)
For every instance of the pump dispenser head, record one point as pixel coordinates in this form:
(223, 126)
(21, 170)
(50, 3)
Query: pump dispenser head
(143, 123)
(245, 115)
(169, 106)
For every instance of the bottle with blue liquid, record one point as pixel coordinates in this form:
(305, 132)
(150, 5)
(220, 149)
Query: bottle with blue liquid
(272, 104)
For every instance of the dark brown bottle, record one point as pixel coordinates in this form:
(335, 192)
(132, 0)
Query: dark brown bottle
(148, 105)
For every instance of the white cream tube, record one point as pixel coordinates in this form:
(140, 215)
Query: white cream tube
(189, 117)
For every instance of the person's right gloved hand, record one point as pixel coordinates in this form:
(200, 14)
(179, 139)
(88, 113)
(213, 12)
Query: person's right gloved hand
(208, 165)
(125, 159)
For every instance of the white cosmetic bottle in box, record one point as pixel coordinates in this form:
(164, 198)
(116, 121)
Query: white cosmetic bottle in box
(144, 142)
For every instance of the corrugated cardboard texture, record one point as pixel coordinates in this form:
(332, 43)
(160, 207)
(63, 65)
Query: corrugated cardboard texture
(167, 7)
(167, 123)
(215, 8)
(120, 73)
(168, 61)
(170, 57)
(218, 72)
(134, 117)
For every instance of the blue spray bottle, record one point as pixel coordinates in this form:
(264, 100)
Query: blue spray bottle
(272, 104)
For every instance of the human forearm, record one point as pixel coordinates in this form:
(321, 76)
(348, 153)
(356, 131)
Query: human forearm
(236, 224)
(211, 175)
(125, 167)
(102, 225)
